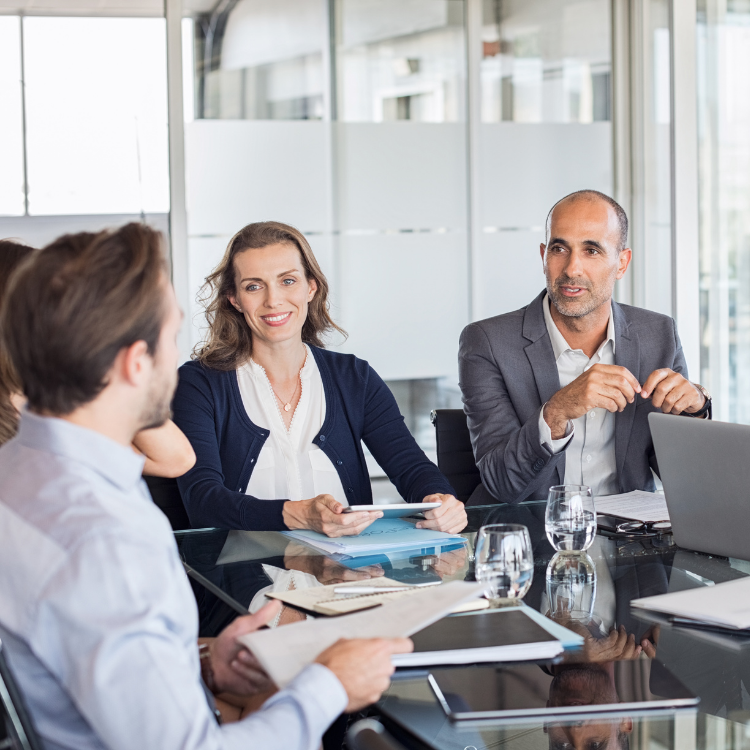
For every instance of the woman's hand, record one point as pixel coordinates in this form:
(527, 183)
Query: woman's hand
(449, 517)
(449, 563)
(326, 515)
(300, 557)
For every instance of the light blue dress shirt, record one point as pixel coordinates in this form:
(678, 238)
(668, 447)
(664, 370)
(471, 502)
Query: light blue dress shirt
(97, 614)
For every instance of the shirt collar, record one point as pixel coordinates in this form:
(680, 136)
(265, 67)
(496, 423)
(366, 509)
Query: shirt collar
(559, 344)
(119, 465)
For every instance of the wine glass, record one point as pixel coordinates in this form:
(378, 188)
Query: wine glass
(570, 520)
(504, 561)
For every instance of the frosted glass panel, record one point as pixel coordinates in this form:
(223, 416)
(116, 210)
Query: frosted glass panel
(244, 171)
(401, 176)
(524, 171)
(403, 301)
(512, 272)
(96, 102)
(11, 127)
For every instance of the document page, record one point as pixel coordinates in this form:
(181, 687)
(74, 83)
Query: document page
(725, 604)
(323, 600)
(284, 652)
(636, 506)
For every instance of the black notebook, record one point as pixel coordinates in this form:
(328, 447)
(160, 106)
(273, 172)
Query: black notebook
(508, 635)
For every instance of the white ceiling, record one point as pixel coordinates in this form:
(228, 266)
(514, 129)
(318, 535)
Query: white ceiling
(98, 7)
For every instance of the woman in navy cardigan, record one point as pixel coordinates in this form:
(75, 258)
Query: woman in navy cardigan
(277, 421)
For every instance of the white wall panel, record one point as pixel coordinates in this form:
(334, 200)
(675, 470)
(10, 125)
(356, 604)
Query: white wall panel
(401, 175)
(404, 302)
(240, 171)
(525, 169)
(512, 272)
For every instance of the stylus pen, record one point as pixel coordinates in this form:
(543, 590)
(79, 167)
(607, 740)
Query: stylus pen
(380, 589)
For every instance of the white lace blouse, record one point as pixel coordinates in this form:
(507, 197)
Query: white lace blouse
(290, 466)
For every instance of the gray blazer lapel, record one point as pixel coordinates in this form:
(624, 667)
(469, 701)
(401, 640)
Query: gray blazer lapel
(628, 355)
(539, 351)
(541, 357)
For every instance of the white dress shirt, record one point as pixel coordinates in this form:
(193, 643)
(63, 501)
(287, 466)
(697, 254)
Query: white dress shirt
(590, 456)
(289, 466)
(97, 614)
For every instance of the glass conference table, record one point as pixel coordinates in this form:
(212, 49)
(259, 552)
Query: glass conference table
(230, 571)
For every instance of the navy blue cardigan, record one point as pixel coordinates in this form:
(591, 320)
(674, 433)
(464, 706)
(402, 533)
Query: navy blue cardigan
(208, 408)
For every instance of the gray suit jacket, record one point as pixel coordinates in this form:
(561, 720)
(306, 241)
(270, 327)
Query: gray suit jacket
(507, 372)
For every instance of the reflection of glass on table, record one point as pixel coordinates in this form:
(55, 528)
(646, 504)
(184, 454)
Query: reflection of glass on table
(571, 587)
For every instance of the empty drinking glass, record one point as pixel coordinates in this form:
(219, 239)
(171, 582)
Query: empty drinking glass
(570, 520)
(504, 560)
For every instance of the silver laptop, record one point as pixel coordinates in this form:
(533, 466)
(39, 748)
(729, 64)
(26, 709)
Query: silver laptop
(705, 470)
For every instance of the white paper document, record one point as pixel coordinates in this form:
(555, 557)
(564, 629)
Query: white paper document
(284, 652)
(725, 604)
(636, 506)
(324, 601)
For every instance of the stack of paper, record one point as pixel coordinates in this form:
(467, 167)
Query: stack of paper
(726, 605)
(383, 534)
(323, 599)
(284, 652)
(636, 506)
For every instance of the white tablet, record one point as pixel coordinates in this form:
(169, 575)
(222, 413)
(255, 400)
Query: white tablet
(395, 510)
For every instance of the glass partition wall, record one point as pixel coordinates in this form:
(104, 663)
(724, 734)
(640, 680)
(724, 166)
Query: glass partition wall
(353, 120)
(724, 154)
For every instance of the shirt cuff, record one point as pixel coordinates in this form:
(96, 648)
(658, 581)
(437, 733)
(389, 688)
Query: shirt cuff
(545, 435)
(321, 690)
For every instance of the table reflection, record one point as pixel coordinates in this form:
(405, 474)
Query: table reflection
(584, 685)
(236, 569)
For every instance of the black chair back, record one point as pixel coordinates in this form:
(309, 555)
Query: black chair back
(166, 495)
(455, 455)
(17, 731)
(369, 734)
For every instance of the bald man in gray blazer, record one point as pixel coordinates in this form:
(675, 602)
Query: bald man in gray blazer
(559, 392)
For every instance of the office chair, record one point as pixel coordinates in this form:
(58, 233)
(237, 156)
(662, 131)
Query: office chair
(17, 731)
(369, 734)
(166, 495)
(455, 455)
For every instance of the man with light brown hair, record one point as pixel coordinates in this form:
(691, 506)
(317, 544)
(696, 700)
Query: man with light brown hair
(96, 613)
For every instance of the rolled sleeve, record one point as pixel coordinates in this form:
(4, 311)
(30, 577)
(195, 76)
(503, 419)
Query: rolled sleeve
(545, 435)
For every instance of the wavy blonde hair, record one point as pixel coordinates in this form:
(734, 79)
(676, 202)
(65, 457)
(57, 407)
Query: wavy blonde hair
(229, 342)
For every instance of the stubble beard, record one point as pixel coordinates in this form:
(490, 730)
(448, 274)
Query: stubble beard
(579, 308)
(158, 405)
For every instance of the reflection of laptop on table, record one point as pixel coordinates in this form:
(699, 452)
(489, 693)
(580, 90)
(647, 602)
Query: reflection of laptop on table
(705, 469)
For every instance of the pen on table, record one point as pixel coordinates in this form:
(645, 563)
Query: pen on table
(380, 589)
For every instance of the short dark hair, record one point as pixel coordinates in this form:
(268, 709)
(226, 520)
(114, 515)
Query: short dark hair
(12, 255)
(622, 217)
(75, 305)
